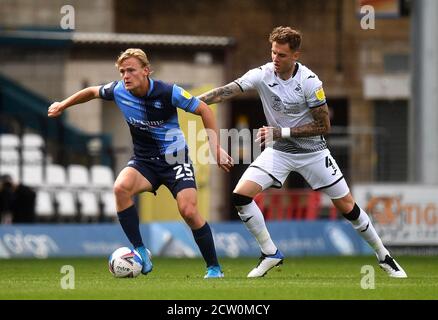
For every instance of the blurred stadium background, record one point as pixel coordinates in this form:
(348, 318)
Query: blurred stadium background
(381, 85)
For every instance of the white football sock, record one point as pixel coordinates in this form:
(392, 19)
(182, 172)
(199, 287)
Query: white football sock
(365, 229)
(254, 221)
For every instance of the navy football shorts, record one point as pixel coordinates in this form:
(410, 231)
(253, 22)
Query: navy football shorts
(158, 171)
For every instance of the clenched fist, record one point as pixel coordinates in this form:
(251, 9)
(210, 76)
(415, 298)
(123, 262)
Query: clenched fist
(55, 110)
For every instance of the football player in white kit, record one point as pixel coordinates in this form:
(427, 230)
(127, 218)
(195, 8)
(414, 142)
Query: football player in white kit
(295, 107)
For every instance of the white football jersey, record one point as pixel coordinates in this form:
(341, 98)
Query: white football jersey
(288, 103)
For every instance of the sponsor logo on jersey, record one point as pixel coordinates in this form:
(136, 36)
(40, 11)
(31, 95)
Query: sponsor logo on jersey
(185, 94)
(144, 125)
(273, 84)
(320, 94)
(291, 108)
(157, 104)
(298, 88)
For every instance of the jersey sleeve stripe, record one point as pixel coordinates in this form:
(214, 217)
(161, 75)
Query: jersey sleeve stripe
(241, 89)
(193, 105)
(318, 105)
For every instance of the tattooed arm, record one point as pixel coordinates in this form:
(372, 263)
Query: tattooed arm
(319, 126)
(221, 94)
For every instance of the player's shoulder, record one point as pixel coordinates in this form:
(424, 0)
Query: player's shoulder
(111, 84)
(305, 72)
(118, 85)
(306, 76)
(266, 68)
(162, 85)
(261, 72)
(114, 86)
(177, 92)
(161, 88)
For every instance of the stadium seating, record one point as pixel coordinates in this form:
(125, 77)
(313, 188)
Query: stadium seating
(12, 170)
(102, 176)
(78, 175)
(56, 175)
(9, 156)
(32, 175)
(108, 201)
(79, 179)
(32, 141)
(9, 141)
(44, 209)
(73, 193)
(66, 206)
(89, 206)
(32, 156)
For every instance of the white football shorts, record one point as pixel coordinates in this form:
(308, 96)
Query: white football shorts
(320, 170)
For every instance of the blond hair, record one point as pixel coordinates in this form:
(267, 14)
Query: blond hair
(287, 35)
(133, 53)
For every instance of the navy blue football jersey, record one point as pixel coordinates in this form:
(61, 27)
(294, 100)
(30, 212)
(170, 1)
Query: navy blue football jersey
(152, 119)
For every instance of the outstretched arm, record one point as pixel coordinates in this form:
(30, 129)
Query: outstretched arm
(222, 158)
(221, 94)
(82, 96)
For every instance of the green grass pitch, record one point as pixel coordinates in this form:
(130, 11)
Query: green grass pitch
(182, 279)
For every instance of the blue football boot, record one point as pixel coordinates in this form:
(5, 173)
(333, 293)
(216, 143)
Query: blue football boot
(214, 272)
(145, 255)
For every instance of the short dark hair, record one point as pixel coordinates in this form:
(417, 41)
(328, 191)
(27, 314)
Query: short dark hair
(287, 35)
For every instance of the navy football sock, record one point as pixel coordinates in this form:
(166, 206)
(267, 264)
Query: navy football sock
(130, 224)
(204, 240)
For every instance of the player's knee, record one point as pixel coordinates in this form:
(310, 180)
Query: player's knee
(240, 200)
(188, 211)
(345, 205)
(121, 190)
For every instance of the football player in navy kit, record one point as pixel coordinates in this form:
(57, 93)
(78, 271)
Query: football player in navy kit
(160, 150)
